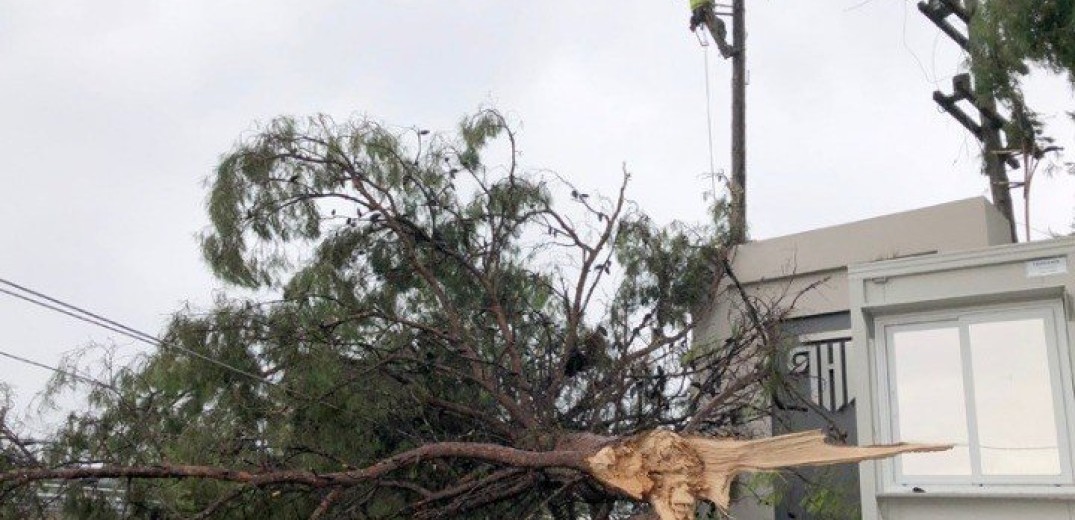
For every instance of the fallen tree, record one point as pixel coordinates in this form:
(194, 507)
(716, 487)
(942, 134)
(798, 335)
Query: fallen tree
(670, 472)
(431, 338)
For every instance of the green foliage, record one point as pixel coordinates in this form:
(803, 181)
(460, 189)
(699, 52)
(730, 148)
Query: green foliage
(1009, 35)
(407, 295)
(1012, 33)
(831, 503)
(668, 268)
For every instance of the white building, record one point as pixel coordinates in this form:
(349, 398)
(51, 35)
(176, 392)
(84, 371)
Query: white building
(930, 326)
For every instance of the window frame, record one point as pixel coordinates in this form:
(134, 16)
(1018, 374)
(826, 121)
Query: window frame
(1060, 373)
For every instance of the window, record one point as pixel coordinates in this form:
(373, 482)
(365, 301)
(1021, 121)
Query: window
(991, 382)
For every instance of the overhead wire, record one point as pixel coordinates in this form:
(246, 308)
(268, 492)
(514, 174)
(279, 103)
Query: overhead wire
(74, 311)
(118, 328)
(60, 371)
(59, 310)
(131, 330)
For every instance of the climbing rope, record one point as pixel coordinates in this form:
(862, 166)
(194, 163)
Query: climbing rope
(708, 113)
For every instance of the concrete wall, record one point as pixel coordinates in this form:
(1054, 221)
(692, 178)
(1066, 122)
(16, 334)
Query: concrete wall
(786, 266)
(953, 226)
(790, 415)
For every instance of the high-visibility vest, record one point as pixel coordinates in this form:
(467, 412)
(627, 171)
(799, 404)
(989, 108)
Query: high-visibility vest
(695, 4)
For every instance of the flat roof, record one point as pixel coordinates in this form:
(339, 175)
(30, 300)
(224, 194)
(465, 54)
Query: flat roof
(953, 226)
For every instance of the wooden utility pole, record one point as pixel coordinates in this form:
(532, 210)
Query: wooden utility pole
(706, 13)
(738, 185)
(993, 147)
(990, 123)
(996, 171)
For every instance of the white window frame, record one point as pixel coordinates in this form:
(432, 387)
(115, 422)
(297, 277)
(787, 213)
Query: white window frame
(1060, 372)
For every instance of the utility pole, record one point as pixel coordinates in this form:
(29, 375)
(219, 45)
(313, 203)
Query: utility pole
(738, 184)
(706, 12)
(988, 128)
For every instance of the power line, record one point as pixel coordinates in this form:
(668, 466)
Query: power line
(76, 309)
(118, 328)
(84, 315)
(61, 371)
(859, 5)
(62, 311)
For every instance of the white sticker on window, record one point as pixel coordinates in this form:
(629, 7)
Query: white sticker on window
(1047, 266)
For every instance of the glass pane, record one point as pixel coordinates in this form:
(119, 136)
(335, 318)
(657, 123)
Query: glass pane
(1014, 398)
(930, 401)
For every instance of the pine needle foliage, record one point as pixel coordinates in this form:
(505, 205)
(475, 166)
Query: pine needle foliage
(1010, 35)
(391, 291)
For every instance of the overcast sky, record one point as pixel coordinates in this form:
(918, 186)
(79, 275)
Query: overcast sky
(114, 112)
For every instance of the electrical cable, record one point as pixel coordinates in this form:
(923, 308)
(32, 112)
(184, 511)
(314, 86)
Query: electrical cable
(77, 309)
(119, 328)
(135, 334)
(62, 311)
(60, 371)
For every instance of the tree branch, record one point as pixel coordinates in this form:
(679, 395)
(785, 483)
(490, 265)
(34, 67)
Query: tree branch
(461, 450)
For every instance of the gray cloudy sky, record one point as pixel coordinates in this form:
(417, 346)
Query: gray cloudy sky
(114, 112)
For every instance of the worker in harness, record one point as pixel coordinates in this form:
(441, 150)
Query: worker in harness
(703, 13)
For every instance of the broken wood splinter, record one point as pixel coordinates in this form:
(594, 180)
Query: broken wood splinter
(673, 472)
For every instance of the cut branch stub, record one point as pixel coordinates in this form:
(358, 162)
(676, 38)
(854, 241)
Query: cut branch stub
(672, 472)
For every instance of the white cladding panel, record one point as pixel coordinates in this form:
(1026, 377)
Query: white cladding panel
(934, 508)
(1001, 277)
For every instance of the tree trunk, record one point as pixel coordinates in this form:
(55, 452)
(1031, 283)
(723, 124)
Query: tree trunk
(672, 472)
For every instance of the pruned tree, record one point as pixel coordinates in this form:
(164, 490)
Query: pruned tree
(423, 336)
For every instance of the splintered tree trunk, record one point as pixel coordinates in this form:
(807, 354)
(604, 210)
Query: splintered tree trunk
(673, 472)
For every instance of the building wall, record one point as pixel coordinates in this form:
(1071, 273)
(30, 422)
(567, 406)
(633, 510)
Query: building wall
(953, 226)
(819, 367)
(787, 266)
(810, 270)
(977, 509)
(996, 277)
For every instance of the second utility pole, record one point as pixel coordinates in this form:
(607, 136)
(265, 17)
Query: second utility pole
(738, 182)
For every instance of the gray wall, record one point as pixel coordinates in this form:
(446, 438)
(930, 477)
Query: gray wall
(837, 486)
